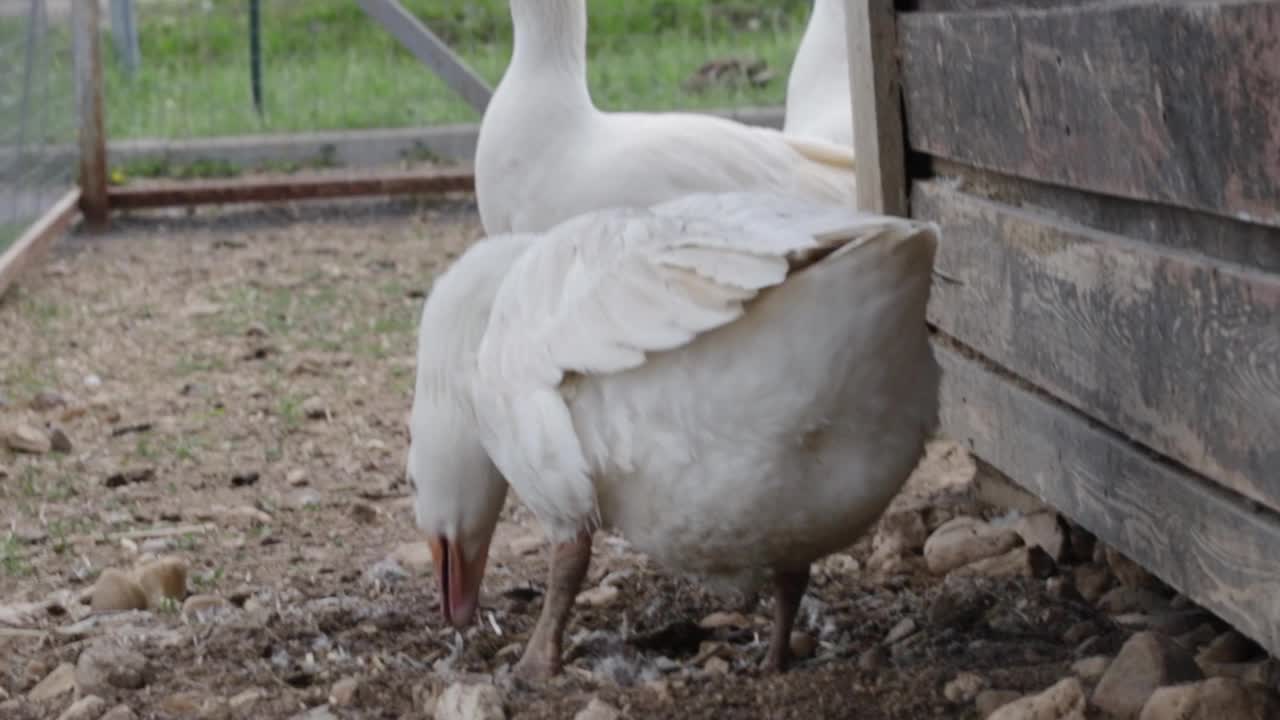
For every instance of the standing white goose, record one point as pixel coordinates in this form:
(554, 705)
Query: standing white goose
(818, 97)
(546, 153)
(737, 383)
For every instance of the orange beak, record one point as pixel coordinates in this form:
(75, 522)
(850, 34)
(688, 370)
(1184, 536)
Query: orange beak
(459, 581)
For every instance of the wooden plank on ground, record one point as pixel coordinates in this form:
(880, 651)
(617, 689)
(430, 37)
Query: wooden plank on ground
(1174, 102)
(87, 56)
(1203, 541)
(279, 189)
(877, 106)
(1177, 351)
(32, 244)
(431, 50)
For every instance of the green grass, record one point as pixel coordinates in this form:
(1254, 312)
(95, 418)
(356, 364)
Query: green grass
(328, 67)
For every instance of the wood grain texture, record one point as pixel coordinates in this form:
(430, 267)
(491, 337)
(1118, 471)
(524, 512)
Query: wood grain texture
(1205, 542)
(1175, 102)
(876, 94)
(32, 244)
(87, 56)
(1176, 351)
(290, 188)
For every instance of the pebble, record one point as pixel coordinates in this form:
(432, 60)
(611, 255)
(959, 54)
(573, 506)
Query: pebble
(988, 701)
(963, 540)
(1019, 562)
(365, 513)
(905, 628)
(59, 441)
(597, 709)
(1147, 661)
(242, 703)
(296, 477)
(162, 579)
(25, 438)
(245, 513)
(718, 620)
(1091, 668)
(61, 680)
(197, 604)
(873, 658)
(963, 688)
(119, 712)
(1045, 531)
(105, 666)
(461, 701)
(1213, 699)
(1063, 701)
(314, 409)
(1091, 581)
(598, 596)
(716, 665)
(803, 645)
(344, 692)
(89, 707)
(116, 590)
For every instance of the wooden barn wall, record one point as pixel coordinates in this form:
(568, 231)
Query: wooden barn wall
(1108, 305)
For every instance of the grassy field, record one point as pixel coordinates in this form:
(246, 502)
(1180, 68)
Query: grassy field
(327, 66)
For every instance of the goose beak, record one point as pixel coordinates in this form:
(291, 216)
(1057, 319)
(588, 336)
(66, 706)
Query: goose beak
(459, 580)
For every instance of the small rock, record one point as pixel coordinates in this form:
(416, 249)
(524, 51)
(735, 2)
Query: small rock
(130, 477)
(245, 514)
(988, 701)
(344, 692)
(27, 439)
(963, 540)
(905, 628)
(461, 701)
(526, 545)
(59, 441)
(115, 590)
(165, 578)
(717, 620)
(1019, 562)
(314, 409)
(297, 477)
(415, 557)
(963, 688)
(304, 500)
(242, 703)
(47, 400)
(1146, 662)
(61, 680)
(364, 513)
(1091, 581)
(1229, 647)
(245, 478)
(597, 709)
(197, 604)
(105, 666)
(1045, 531)
(1124, 599)
(1091, 668)
(598, 596)
(1213, 699)
(716, 665)
(1128, 572)
(119, 712)
(1063, 701)
(89, 707)
(803, 645)
(873, 658)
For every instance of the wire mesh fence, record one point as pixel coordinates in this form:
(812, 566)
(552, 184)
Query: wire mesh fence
(37, 113)
(325, 65)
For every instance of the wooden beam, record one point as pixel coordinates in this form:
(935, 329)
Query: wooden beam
(1207, 543)
(250, 190)
(877, 111)
(93, 140)
(431, 50)
(32, 244)
(1170, 102)
(1179, 352)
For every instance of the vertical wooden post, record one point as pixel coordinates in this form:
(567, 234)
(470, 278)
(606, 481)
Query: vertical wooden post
(93, 140)
(877, 111)
(125, 31)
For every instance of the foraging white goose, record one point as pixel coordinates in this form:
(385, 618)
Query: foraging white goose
(738, 383)
(546, 153)
(818, 97)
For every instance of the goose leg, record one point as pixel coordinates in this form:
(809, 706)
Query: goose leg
(569, 561)
(789, 587)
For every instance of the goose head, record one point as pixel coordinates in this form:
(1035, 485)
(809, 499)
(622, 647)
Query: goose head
(459, 492)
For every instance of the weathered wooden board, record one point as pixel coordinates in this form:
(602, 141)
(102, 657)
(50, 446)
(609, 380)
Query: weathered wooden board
(875, 91)
(1177, 102)
(290, 188)
(35, 242)
(1176, 351)
(1203, 541)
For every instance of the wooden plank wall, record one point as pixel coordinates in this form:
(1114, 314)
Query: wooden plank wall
(1107, 177)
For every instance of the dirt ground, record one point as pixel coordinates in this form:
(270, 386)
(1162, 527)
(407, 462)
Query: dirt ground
(233, 386)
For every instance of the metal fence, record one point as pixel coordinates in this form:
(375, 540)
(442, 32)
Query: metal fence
(37, 113)
(209, 69)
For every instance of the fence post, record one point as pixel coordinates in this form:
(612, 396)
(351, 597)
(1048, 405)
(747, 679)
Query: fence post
(877, 111)
(125, 31)
(93, 140)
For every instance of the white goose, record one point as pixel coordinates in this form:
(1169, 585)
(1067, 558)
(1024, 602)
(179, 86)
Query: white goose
(737, 383)
(546, 153)
(819, 103)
